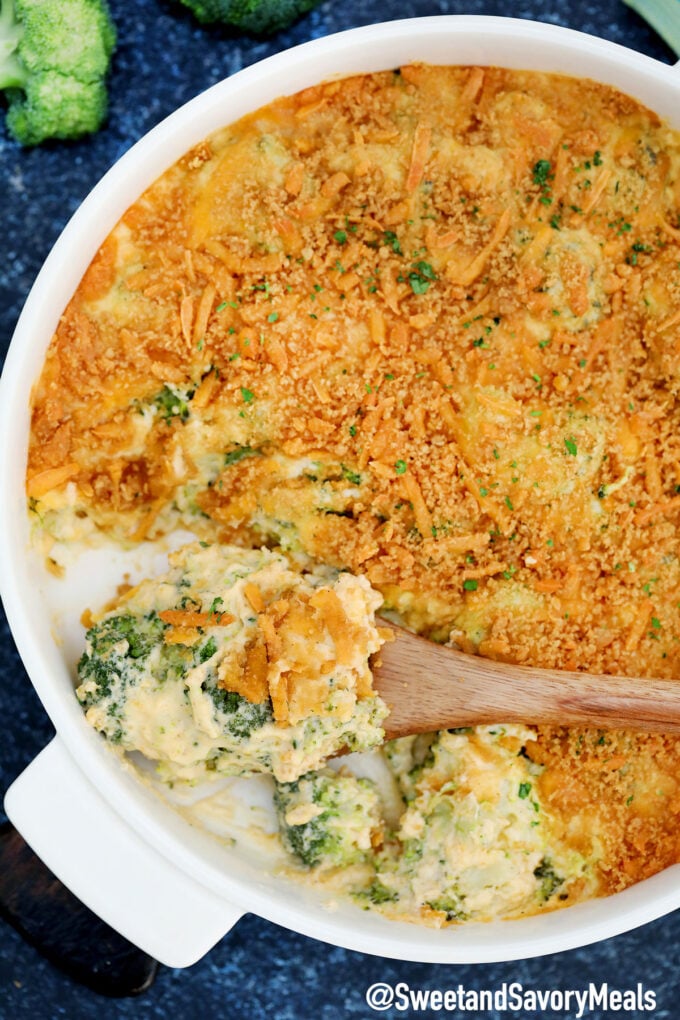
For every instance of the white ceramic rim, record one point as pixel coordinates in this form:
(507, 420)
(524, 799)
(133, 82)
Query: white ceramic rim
(447, 39)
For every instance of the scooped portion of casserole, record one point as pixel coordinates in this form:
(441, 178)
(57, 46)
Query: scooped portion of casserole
(234, 663)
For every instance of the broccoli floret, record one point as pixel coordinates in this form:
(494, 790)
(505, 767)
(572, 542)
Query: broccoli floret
(116, 659)
(242, 717)
(117, 647)
(54, 57)
(327, 819)
(377, 893)
(140, 634)
(549, 879)
(239, 716)
(172, 403)
(450, 906)
(122, 649)
(260, 17)
(126, 652)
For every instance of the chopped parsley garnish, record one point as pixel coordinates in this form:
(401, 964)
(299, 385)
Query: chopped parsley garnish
(542, 172)
(421, 276)
(248, 395)
(391, 239)
(571, 446)
(470, 584)
(524, 790)
(542, 175)
(400, 467)
(636, 249)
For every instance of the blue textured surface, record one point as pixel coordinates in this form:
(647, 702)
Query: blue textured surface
(164, 58)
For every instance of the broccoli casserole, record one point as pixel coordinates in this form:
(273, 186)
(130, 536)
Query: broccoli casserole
(420, 327)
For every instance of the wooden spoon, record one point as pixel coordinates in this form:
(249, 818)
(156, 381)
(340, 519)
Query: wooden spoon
(431, 687)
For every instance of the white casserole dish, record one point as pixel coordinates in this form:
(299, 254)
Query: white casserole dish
(170, 888)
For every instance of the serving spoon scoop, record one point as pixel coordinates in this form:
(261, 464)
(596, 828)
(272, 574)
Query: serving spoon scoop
(431, 687)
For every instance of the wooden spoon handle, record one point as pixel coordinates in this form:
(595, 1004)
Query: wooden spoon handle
(430, 687)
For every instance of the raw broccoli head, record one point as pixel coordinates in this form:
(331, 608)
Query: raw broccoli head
(259, 17)
(54, 57)
(338, 817)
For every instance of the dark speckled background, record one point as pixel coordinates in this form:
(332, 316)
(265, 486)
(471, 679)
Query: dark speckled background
(258, 970)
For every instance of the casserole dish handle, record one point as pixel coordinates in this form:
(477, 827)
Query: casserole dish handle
(109, 867)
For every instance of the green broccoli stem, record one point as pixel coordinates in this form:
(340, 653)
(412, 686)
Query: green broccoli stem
(12, 72)
(663, 16)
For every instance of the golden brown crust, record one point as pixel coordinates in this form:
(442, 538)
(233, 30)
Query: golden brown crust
(617, 796)
(302, 640)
